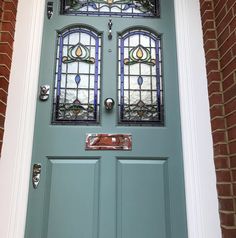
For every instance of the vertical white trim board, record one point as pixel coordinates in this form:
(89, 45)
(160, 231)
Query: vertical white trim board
(201, 196)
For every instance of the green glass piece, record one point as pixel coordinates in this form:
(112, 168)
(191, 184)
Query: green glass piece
(79, 53)
(139, 54)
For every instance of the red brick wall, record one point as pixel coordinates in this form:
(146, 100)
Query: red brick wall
(219, 29)
(7, 28)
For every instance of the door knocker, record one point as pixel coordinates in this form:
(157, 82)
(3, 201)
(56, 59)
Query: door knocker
(109, 29)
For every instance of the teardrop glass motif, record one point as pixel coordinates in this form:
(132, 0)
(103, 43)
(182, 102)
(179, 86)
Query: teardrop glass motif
(77, 79)
(78, 51)
(140, 80)
(139, 53)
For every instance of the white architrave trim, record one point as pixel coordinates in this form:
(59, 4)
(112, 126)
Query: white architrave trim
(201, 196)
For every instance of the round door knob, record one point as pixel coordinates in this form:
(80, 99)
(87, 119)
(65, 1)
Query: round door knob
(109, 104)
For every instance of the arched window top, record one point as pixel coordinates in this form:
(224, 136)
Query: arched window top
(75, 29)
(129, 8)
(139, 31)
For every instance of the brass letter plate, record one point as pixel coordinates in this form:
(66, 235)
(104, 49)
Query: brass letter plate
(108, 142)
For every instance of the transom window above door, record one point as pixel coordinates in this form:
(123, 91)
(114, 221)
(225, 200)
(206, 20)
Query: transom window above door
(122, 8)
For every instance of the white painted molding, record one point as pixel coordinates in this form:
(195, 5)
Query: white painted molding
(201, 199)
(17, 147)
(200, 177)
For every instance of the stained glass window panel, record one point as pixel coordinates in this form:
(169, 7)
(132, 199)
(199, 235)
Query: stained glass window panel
(77, 77)
(140, 79)
(129, 8)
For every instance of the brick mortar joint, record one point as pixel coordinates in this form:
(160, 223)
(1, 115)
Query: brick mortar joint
(4, 91)
(4, 103)
(230, 127)
(3, 77)
(228, 10)
(233, 57)
(207, 32)
(4, 65)
(2, 43)
(8, 21)
(228, 101)
(15, 4)
(8, 33)
(223, 30)
(229, 88)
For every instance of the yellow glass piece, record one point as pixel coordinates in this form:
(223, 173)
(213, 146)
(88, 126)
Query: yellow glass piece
(109, 1)
(139, 53)
(78, 51)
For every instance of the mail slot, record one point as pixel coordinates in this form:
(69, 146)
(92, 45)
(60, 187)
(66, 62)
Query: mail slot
(108, 142)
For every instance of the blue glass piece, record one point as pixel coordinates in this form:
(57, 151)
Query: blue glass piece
(93, 5)
(127, 6)
(77, 79)
(140, 80)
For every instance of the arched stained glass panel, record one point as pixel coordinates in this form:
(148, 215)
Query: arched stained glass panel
(77, 82)
(140, 79)
(129, 8)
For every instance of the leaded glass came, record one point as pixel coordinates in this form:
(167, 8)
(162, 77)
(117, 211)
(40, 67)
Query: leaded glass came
(140, 79)
(129, 8)
(77, 82)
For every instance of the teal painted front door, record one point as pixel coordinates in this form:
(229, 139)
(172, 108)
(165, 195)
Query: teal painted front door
(107, 193)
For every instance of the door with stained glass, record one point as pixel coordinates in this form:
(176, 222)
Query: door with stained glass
(107, 158)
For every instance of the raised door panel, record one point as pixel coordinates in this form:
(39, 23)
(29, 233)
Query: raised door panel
(72, 198)
(142, 198)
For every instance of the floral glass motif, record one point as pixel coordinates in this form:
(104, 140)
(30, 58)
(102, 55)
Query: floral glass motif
(130, 8)
(140, 78)
(77, 83)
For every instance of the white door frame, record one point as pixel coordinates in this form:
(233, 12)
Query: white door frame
(200, 179)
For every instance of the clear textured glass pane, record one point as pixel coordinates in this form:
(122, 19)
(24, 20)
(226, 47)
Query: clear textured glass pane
(133, 40)
(134, 83)
(145, 41)
(72, 68)
(63, 81)
(135, 69)
(62, 96)
(84, 83)
(74, 38)
(147, 84)
(85, 39)
(70, 95)
(83, 67)
(146, 69)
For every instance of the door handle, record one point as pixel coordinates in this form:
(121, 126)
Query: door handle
(44, 92)
(36, 175)
(109, 104)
